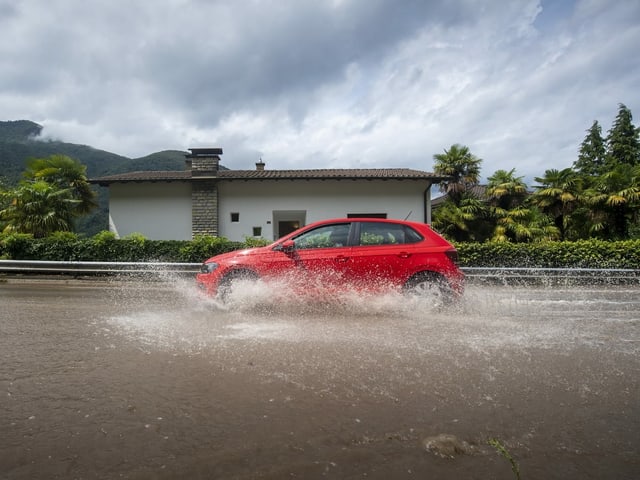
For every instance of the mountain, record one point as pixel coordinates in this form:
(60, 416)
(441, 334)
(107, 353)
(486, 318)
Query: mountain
(20, 141)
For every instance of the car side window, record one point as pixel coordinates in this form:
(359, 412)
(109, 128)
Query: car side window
(327, 236)
(387, 234)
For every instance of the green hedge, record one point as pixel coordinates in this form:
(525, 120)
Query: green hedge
(580, 254)
(104, 247)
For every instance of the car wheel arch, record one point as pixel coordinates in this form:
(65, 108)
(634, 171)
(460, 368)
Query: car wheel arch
(428, 279)
(240, 273)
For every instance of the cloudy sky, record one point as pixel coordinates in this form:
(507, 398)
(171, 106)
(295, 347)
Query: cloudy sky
(324, 83)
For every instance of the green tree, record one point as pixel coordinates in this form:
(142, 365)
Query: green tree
(5, 201)
(54, 191)
(462, 166)
(515, 220)
(463, 222)
(505, 190)
(525, 225)
(614, 201)
(38, 208)
(623, 144)
(558, 196)
(64, 173)
(592, 154)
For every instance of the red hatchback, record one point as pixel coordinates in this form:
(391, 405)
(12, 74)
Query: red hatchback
(363, 254)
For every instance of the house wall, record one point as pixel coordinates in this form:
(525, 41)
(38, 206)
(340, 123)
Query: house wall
(160, 211)
(255, 201)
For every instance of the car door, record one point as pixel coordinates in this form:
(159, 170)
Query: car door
(319, 257)
(381, 254)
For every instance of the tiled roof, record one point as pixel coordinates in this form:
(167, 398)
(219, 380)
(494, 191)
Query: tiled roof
(149, 176)
(477, 191)
(383, 173)
(319, 174)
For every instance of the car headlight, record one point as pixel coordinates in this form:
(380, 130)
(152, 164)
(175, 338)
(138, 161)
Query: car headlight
(208, 267)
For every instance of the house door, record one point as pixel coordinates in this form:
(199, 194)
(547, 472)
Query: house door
(285, 227)
(286, 221)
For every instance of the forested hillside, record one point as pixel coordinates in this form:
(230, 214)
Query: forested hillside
(20, 141)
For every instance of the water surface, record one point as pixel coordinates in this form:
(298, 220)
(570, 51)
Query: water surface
(146, 379)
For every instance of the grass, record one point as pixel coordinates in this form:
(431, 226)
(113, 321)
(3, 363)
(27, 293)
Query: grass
(501, 449)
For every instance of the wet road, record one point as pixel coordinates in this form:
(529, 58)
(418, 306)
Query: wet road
(137, 380)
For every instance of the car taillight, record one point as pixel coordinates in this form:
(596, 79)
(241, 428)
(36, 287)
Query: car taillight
(452, 254)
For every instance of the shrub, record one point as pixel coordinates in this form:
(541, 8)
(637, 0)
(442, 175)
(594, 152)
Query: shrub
(104, 247)
(16, 246)
(205, 246)
(251, 242)
(59, 246)
(580, 254)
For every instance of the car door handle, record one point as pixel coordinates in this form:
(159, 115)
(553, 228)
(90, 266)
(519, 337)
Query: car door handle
(404, 254)
(341, 258)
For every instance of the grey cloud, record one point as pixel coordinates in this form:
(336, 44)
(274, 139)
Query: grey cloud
(277, 54)
(344, 82)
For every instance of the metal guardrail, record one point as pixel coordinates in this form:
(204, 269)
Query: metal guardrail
(525, 275)
(475, 275)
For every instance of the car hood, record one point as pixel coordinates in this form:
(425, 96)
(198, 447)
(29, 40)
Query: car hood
(239, 254)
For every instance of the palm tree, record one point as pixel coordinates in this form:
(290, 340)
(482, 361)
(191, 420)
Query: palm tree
(515, 220)
(505, 190)
(462, 166)
(462, 222)
(615, 201)
(558, 196)
(65, 173)
(38, 208)
(523, 224)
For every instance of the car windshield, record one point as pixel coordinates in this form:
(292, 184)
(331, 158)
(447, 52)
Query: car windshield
(327, 236)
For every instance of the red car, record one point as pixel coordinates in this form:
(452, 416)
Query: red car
(362, 254)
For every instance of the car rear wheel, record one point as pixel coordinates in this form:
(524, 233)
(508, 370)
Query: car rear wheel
(432, 286)
(231, 281)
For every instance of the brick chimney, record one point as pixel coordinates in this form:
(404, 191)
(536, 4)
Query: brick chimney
(204, 162)
(260, 165)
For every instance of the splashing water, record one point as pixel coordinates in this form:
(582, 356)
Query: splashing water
(485, 318)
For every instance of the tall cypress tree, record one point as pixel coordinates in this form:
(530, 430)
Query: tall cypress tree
(592, 154)
(623, 141)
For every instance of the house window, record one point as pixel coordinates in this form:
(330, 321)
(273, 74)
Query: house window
(366, 215)
(235, 217)
(257, 231)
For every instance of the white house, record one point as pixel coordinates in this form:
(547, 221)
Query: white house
(204, 199)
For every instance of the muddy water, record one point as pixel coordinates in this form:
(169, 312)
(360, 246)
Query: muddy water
(125, 379)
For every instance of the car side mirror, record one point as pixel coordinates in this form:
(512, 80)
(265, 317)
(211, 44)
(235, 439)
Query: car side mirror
(287, 246)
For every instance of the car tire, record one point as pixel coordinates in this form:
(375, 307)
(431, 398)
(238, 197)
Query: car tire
(230, 281)
(430, 285)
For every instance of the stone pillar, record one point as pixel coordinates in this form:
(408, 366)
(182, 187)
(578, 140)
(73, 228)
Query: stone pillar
(204, 164)
(204, 208)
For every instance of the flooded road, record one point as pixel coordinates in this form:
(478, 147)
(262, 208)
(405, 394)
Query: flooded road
(108, 379)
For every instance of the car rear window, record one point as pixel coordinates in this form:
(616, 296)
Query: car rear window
(374, 233)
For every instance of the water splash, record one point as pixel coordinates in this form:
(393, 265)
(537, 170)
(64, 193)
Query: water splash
(172, 313)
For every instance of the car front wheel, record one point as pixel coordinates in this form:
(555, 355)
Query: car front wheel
(231, 281)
